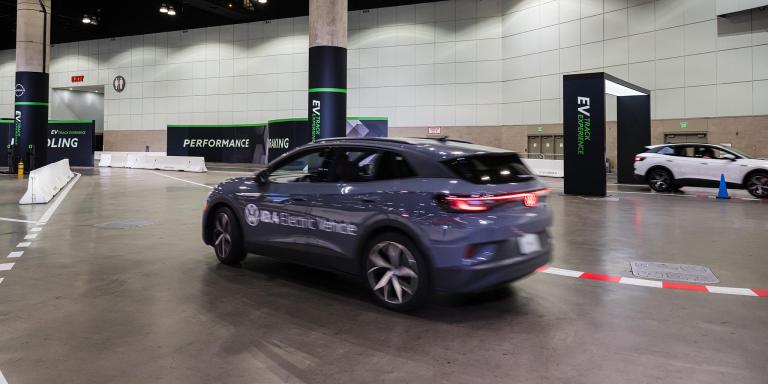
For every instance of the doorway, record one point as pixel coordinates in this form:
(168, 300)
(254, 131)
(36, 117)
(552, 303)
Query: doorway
(80, 103)
(545, 147)
(687, 137)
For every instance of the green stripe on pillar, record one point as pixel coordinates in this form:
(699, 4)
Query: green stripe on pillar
(31, 103)
(336, 90)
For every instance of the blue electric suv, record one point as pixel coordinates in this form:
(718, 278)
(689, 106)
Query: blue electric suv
(408, 216)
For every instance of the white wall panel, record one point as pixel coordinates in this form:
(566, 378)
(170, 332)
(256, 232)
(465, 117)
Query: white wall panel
(701, 101)
(451, 62)
(701, 69)
(734, 65)
(670, 42)
(616, 24)
(734, 99)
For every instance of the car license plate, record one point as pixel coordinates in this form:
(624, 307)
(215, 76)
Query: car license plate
(529, 243)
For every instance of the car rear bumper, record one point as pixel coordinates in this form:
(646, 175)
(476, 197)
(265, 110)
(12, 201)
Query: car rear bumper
(487, 275)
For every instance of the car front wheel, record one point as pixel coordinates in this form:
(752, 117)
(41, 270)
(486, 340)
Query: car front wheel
(661, 180)
(396, 273)
(757, 185)
(227, 238)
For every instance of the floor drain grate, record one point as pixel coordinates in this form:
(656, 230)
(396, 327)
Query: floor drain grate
(124, 224)
(678, 272)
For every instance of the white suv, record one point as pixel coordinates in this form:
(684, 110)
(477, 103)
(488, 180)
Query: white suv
(671, 166)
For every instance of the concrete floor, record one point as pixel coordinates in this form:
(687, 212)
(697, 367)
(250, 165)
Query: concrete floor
(89, 303)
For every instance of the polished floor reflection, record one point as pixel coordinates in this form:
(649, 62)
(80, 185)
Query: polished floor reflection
(118, 288)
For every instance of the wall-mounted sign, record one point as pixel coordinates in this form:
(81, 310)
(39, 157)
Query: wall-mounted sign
(118, 84)
(227, 143)
(19, 90)
(683, 124)
(77, 78)
(434, 130)
(539, 129)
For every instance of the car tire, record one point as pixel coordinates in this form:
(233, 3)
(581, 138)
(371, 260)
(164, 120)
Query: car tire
(396, 272)
(226, 237)
(661, 180)
(757, 185)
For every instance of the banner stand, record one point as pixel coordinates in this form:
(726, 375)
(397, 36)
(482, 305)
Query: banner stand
(584, 130)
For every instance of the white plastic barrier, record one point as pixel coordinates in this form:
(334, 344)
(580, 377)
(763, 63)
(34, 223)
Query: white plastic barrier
(97, 155)
(181, 163)
(153, 161)
(46, 182)
(105, 160)
(145, 162)
(543, 167)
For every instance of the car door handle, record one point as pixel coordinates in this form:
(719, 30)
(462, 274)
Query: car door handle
(368, 200)
(298, 199)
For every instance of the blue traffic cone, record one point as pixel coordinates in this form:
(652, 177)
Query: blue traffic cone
(723, 192)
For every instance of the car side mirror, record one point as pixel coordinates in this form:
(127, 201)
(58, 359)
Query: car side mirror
(728, 156)
(262, 177)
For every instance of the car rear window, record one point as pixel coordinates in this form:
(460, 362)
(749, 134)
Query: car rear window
(490, 168)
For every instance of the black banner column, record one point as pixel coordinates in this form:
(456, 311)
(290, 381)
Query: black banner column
(327, 102)
(584, 134)
(327, 91)
(31, 115)
(633, 134)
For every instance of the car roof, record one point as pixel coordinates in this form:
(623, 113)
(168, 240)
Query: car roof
(435, 148)
(682, 144)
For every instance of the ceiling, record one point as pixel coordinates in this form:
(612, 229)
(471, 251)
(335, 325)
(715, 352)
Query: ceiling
(135, 17)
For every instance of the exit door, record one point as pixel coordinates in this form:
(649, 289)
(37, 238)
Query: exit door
(559, 147)
(534, 147)
(548, 147)
(681, 138)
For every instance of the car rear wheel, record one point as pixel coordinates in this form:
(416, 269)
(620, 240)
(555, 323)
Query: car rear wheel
(227, 238)
(396, 273)
(757, 185)
(661, 180)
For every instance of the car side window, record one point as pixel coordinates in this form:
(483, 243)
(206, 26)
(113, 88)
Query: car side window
(361, 165)
(306, 167)
(393, 166)
(684, 151)
(354, 165)
(666, 151)
(720, 154)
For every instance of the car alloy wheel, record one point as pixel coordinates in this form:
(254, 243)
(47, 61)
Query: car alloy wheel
(660, 180)
(222, 235)
(757, 185)
(392, 272)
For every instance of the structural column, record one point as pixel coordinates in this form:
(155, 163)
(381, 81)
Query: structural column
(33, 30)
(327, 68)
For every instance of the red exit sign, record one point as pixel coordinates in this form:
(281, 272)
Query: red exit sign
(78, 78)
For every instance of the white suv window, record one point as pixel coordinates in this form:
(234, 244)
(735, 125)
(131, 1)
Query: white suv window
(666, 151)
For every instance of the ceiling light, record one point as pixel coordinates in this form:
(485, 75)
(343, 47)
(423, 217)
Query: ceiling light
(171, 11)
(163, 8)
(262, 1)
(86, 19)
(229, 5)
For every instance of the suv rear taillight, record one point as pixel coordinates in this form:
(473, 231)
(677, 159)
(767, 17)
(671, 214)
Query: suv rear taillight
(483, 203)
(639, 158)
